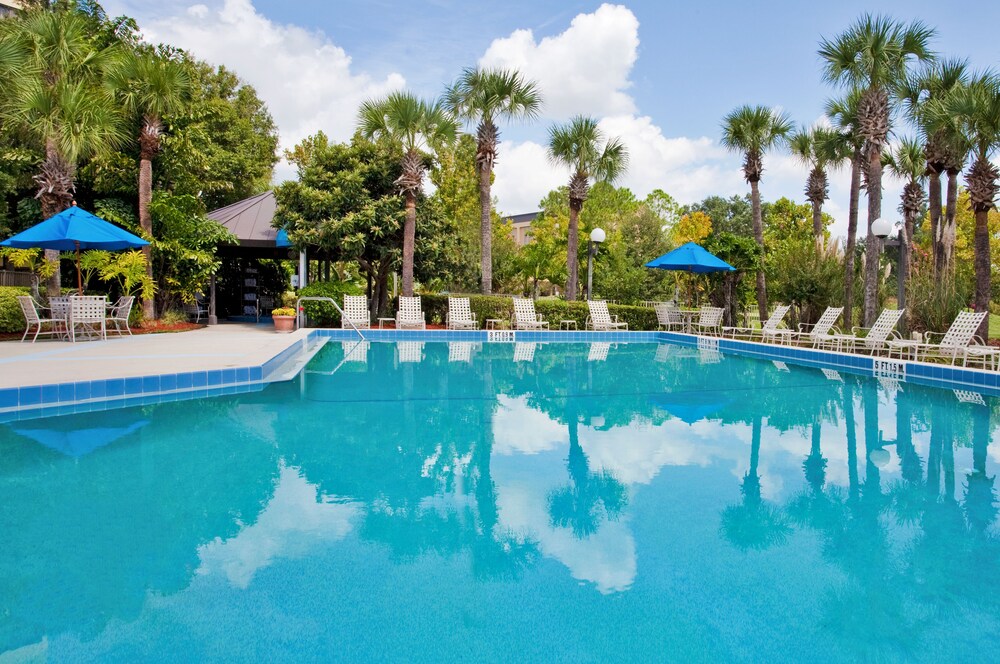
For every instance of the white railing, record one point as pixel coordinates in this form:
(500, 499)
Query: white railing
(300, 314)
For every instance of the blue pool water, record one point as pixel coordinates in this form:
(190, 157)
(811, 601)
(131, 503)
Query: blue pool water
(502, 502)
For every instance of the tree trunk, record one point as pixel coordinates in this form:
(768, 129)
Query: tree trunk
(818, 222)
(758, 234)
(949, 228)
(905, 253)
(409, 232)
(55, 194)
(934, 208)
(145, 196)
(572, 247)
(485, 230)
(852, 235)
(982, 263)
(873, 245)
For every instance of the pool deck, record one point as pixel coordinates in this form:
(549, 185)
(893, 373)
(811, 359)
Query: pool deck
(210, 348)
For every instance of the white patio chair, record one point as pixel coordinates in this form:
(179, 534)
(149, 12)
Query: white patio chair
(409, 315)
(524, 351)
(876, 337)
(88, 317)
(460, 314)
(663, 352)
(771, 324)
(410, 351)
(119, 313)
(599, 318)
(819, 332)
(195, 309)
(598, 352)
(356, 311)
(668, 316)
(460, 351)
(709, 320)
(355, 351)
(525, 317)
(954, 342)
(56, 324)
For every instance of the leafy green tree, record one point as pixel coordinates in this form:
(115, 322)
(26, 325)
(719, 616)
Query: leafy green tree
(752, 131)
(729, 215)
(872, 55)
(487, 96)
(419, 128)
(582, 146)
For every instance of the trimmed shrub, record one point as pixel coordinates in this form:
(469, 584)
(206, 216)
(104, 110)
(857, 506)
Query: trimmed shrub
(501, 307)
(11, 318)
(324, 314)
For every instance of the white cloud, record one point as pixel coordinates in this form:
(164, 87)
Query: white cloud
(584, 69)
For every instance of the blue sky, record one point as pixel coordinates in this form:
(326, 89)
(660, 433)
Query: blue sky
(659, 74)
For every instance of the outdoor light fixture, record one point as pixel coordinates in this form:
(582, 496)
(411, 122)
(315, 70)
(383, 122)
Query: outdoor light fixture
(596, 237)
(881, 228)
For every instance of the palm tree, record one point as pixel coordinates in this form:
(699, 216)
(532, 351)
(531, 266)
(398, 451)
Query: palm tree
(819, 149)
(752, 131)
(151, 86)
(844, 114)
(873, 55)
(976, 110)
(582, 146)
(908, 161)
(52, 71)
(486, 96)
(417, 127)
(921, 94)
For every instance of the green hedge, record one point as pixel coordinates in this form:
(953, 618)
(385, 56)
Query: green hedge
(496, 306)
(324, 314)
(11, 318)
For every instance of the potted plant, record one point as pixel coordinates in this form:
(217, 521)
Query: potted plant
(284, 319)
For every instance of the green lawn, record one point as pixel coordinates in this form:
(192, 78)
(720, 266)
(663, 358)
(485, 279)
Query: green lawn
(994, 326)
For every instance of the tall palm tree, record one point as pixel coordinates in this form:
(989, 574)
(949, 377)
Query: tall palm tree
(921, 94)
(582, 146)
(752, 131)
(52, 71)
(150, 86)
(976, 108)
(873, 55)
(819, 149)
(908, 161)
(844, 114)
(486, 96)
(418, 127)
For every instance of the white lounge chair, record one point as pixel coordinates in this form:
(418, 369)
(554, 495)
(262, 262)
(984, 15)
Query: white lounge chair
(88, 317)
(954, 343)
(460, 351)
(875, 339)
(668, 316)
(56, 324)
(598, 352)
(355, 351)
(460, 314)
(771, 324)
(599, 318)
(410, 351)
(524, 351)
(709, 320)
(819, 332)
(119, 313)
(525, 317)
(409, 315)
(356, 311)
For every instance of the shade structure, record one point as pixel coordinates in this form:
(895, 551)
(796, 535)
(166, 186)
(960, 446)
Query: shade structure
(691, 257)
(74, 229)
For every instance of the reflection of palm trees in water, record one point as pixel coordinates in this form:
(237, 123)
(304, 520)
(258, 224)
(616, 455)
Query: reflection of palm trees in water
(980, 497)
(590, 497)
(754, 524)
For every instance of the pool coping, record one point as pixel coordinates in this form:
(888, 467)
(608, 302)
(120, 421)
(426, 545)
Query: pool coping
(35, 401)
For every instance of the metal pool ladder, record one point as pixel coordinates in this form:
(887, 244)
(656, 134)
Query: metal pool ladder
(299, 314)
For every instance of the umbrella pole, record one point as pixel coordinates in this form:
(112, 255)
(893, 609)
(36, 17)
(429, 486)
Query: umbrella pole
(79, 276)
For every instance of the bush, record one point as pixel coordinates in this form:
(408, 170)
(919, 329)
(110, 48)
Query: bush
(435, 309)
(11, 318)
(324, 314)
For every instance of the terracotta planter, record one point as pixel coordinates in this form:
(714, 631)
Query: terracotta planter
(284, 324)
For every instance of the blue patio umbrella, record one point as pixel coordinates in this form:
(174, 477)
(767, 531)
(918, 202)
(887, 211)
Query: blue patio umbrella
(75, 229)
(691, 257)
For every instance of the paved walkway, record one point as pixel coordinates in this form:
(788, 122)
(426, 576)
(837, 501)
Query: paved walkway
(216, 347)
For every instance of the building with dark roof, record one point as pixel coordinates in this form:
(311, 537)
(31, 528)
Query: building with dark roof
(520, 227)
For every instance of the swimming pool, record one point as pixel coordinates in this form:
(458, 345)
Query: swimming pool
(495, 501)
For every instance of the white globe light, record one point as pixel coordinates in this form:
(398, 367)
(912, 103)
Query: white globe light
(879, 457)
(881, 228)
(598, 235)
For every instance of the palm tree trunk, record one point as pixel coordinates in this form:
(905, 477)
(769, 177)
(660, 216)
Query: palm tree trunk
(934, 208)
(948, 235)
(409, 233)
(572, 246)
(852, 236)
(873, 245)
(145, 196)
(55, 194)
(818, 222)
(485, 230)
(758, 234)
(982, 263)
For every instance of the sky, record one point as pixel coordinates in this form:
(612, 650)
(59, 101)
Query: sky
(659, 74)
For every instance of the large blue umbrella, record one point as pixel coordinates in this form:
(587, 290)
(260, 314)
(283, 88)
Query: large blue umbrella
(75, 229)
(691, 257)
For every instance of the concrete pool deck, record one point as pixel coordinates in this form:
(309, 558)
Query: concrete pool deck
(210, 348)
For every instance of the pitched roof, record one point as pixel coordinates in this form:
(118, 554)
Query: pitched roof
(250, 220)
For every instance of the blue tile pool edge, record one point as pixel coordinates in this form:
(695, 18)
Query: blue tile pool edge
(18, 402)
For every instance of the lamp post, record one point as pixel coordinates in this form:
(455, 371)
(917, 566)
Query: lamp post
(597, 236)
(881, 229)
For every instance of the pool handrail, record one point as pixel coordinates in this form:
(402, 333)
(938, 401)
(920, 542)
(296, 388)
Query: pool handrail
(315, 298)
